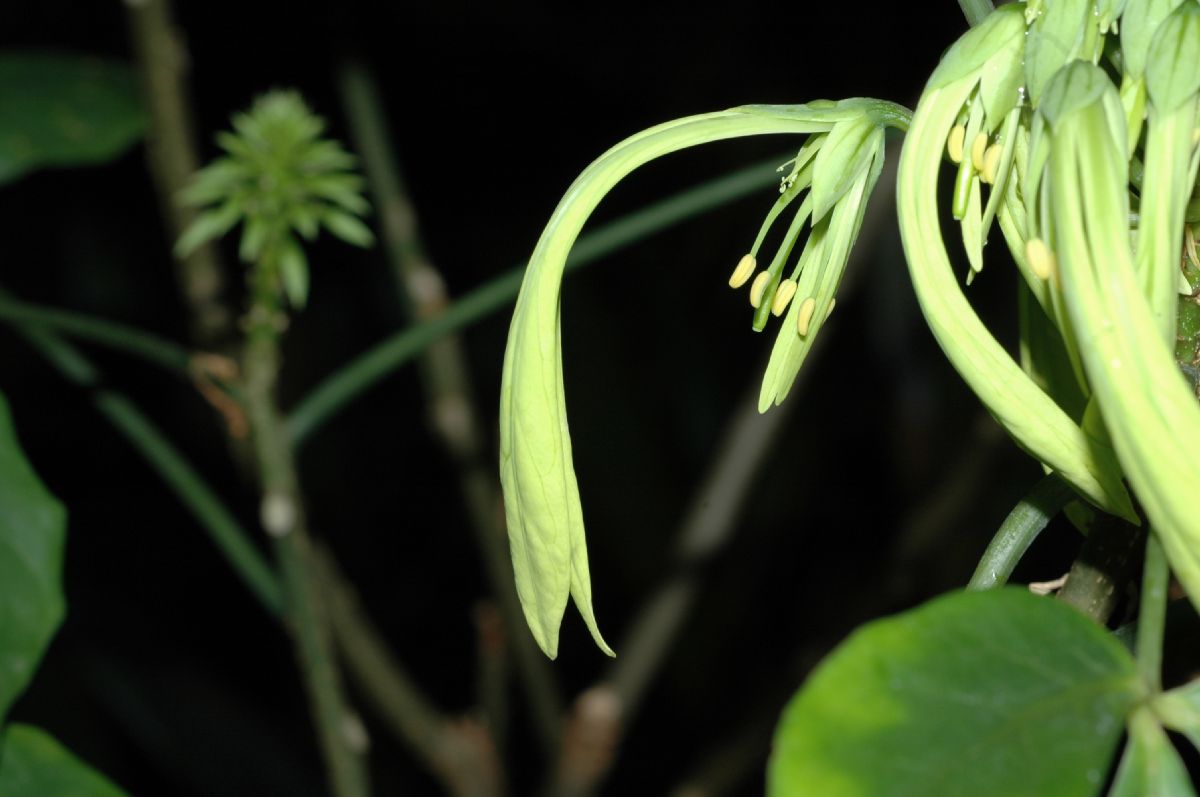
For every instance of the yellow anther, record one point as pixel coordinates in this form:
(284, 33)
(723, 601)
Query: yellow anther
(742, 272)
(759, 287)
(1042, 261)
(954, 144)
(829, 310)
(783, 297)
(978, 147)
(804, 317)
(991, 162)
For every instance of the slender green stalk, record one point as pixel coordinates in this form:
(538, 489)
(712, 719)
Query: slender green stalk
(114, 335)
(361, 373)
(975, 10)
(283, 518)
(227, 534)
(1018, 531)
(1152, 613)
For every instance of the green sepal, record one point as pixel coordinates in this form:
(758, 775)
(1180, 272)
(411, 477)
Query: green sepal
(822, 265)
(1139, 23)
(1173, 65)
(845, 154)
(1055, 38)
(1001, 31)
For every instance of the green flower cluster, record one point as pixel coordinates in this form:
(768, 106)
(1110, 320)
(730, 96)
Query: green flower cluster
(280, 178)
(1074, 125)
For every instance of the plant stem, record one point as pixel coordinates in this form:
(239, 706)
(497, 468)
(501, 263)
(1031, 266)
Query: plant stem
(364, 371)
(283, 518)
(227, 534)
(1101, 570)
(454, 418)
(1018, 531)
(117, 336)
(976, 10)
(171, 156)
(1152, 613)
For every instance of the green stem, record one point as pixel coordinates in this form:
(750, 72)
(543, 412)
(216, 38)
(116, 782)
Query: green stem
(1018, 531)
(230, 538)
(283, 518)
(976, 10)
(120, 337)
(1156, 578)
(364, 371)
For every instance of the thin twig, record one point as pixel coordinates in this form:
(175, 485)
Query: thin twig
(454, 417)
(171, 156)
(364, 371)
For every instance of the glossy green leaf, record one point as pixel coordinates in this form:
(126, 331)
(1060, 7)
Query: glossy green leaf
(988, 694)
(34, 764)
(1150, 767)
(33, 528)
(1173, 66)
(64, 110)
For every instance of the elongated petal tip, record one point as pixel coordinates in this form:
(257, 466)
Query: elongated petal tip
(743, 270)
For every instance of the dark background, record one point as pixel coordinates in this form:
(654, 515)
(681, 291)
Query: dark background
(882, 490)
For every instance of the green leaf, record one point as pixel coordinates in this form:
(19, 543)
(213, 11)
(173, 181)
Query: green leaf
(348, 228)
(293, 271)
(33, 528)
(988, 694)
(1173, 66)
(846, 153)
(1139, 23)
(64, 110)
(209, 225)
(34, 764)
(1150, 766)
